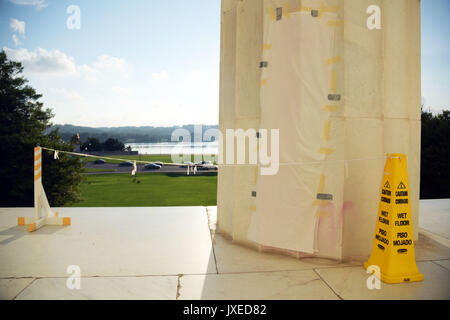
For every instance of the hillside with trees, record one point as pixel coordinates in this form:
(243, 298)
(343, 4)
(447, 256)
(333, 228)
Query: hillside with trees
(93, 144)
(125, 134)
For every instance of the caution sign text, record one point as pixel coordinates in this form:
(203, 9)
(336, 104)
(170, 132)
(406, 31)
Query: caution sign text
(393, 247)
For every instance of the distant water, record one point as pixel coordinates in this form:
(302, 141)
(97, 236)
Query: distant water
(180, 148)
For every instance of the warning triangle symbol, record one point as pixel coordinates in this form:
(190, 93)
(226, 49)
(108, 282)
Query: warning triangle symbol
(401, 186)
(387, 185)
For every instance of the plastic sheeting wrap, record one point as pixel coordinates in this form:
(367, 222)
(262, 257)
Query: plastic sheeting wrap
(296, 85)
(341, 95)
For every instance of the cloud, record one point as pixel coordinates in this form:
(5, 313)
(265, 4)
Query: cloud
(42, 61)
(17, 25)
(108, 62)
(196, 75)
(66, 94)
(122, 91)
(163, 75)
(39, 4)
(16, 40)
(110, 91)
(105, 68)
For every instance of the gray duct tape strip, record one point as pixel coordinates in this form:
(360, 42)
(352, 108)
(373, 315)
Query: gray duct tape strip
(324, 196)
(253, 193)
(334, 97)
(315, 13)
(279, 13)
(263, 64)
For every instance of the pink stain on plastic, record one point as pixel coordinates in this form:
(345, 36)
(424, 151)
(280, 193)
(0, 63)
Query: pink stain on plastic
(328, 231)
(329, 227)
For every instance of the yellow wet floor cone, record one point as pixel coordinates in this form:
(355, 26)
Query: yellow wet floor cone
(393, 247)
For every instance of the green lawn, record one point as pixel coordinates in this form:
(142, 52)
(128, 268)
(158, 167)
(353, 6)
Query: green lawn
(151, 189)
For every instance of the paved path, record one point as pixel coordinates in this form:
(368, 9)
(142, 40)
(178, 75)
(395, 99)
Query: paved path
(115, 168)
(174, 253)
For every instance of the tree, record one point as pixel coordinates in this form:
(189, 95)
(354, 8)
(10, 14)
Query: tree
(113, 145)
(435, 156)
(91, 144)
(23, 121)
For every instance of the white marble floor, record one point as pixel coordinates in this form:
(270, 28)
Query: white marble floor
(171, 253)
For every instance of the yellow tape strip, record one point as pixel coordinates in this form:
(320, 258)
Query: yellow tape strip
(325, 8)
(326, 130)
(322, 9)
(321, 184)
(326, 150)
(321, 213)
(333, 81)
(37, 176)
(32, 227)
(252, 208)
(335, 23)
(330, 108)
(320, 202)
(303, 9)
(272, 14)
(36, 167)
(287, 11)
(263, 82)
(333, 60)
(320, 189)
(267, 46)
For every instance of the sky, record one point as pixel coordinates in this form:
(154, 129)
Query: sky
(152, 62)
(131, 63)
(435, 42)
